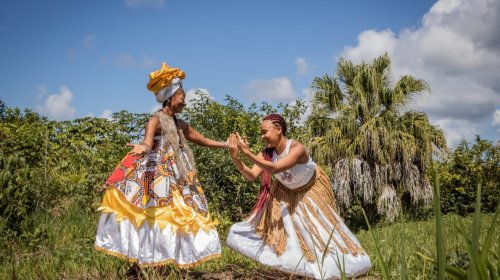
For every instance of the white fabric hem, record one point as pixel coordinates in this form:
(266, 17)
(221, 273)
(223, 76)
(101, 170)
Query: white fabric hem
(150, 245)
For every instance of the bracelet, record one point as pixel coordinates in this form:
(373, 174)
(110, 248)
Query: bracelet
(226, 145)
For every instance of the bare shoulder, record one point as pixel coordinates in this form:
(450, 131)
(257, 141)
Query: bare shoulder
(153, 123)
(297, 146)
(153, 120)
(300, 150)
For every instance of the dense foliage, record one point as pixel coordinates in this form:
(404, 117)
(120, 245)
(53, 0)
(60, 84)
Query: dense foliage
(463, 169)
(47, 164)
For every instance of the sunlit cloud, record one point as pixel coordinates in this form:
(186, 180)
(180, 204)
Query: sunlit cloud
(273, 90)
(58, 106)
(496, 120)
(123, 60)
(192, 94)
(89, 41)
(457, 51)
(107, 114)
(301, 65)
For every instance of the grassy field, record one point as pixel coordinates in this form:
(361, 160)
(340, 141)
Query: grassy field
(61, 247)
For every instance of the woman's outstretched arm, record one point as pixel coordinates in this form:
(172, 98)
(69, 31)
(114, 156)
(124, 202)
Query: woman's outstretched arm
(194, 136)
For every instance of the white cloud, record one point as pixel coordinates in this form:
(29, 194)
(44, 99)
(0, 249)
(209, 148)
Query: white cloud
(124, 60)
(301, 65)
(496, 119)
(457, 51)
(89, 41)
(107, 114)
(456, 130)
(308, 94)
(191, 94)
(371, 44)
(144, 3)
(149, 63)
(57, 106)
(41, 91)
(274, 90)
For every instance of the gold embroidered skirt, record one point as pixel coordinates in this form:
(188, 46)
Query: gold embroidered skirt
(151, 217)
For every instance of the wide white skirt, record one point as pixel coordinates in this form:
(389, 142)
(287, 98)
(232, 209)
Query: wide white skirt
(151, 246)
(243, 238)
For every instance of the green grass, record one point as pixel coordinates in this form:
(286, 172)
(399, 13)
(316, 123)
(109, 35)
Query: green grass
(61, 247)
(480, 240)
(419, 240)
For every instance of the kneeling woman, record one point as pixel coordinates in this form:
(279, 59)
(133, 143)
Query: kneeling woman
(294, 222)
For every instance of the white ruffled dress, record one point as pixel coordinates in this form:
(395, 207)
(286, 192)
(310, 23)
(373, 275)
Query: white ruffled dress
(150, 216)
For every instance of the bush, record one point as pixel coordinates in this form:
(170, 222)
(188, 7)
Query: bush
(460, 173)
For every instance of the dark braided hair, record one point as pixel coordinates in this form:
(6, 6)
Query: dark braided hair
(276, 119)
(267, 153)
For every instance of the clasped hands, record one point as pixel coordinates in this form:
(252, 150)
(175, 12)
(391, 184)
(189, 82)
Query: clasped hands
(237, 143)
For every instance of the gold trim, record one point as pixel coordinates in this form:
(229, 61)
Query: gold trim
(115, 254)
(154, 264)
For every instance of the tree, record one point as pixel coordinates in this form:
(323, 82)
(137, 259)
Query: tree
(46, 164)
(2, 110)
(23, 173)
(376, 149)
(461, 172)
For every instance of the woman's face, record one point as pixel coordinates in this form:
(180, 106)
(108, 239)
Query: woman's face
(177, 103)
(270, 133)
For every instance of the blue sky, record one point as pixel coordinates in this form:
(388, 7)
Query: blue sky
(70, 59)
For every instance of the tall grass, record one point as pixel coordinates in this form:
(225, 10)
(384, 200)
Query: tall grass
(420, 248)
(473, 256)
(439, 226)
(59, 245)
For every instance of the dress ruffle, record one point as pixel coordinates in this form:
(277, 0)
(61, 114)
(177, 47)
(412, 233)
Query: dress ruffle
(152, 246)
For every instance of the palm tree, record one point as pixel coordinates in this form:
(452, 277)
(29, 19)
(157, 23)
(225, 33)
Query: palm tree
(375, 148)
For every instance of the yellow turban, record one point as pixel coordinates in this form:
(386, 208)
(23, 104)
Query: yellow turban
(165, 81)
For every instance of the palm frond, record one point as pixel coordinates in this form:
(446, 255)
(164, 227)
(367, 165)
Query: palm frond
(376, 149)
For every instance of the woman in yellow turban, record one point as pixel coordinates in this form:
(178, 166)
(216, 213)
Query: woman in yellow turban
(154, 210)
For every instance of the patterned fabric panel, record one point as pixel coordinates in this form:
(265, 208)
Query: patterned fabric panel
(150, 181)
